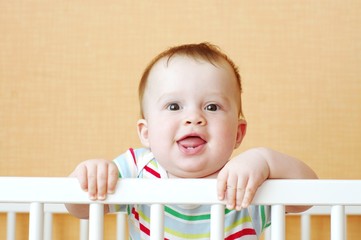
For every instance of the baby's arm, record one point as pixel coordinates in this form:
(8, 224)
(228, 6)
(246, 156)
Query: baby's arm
(98, 178)
(241, 176)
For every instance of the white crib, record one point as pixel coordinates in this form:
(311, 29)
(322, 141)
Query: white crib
(37, 191)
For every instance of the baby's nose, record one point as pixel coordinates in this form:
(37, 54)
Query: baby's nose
(196, 120)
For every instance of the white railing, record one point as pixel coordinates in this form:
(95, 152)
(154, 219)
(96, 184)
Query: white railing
(305, 217)
(11, 210)
(36, 191)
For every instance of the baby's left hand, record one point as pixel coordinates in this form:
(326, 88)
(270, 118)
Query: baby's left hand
(240, 178)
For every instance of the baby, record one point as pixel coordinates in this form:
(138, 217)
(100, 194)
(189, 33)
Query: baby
(191, 121)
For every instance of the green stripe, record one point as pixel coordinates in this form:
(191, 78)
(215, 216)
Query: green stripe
(263, 217)
(173, 232)
(186, 217)
(174, 213)
(226, 211)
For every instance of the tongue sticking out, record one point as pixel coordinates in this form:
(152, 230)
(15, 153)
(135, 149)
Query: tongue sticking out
(191, 142)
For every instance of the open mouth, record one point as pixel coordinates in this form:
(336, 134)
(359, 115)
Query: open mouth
(191, 144)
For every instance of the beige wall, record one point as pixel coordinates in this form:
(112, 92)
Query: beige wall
(69, 72)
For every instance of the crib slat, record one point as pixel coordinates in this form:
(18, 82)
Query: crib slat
(48, 226)
(122, 226)
(305, 227)
(156, 221)
(84, 229)
(338, 222)
(96, 221)
(278, 222)
(11, 226)
(217, 221)
(36, 221)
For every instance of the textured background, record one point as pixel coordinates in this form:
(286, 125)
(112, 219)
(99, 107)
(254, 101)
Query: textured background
(69, 72)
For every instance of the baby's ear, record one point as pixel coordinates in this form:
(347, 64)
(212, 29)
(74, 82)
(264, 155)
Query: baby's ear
(142, 127)
(241, 131)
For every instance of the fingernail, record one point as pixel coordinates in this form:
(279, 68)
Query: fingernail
(92, 197)
(101, 197)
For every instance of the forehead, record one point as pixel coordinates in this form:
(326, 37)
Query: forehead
(186, 67)
(186, 76)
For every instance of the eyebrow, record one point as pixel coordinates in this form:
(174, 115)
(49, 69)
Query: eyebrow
(171, 95)
(166, 96)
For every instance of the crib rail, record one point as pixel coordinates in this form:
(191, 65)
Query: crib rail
(278, 193)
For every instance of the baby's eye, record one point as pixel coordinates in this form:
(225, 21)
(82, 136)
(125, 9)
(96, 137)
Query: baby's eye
(173, 107)
(212, 107)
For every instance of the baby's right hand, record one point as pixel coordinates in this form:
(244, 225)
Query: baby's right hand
(97, 177)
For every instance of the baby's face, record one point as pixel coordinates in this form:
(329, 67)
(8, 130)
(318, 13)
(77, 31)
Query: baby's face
(191, 116)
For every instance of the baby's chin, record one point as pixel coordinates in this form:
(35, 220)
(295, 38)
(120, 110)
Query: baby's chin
(193, 174)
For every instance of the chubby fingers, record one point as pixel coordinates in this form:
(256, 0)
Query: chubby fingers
(97, 177)
(228, 189)
(238, 192)
(249, 191)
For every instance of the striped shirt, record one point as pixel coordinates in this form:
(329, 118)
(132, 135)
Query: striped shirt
(183, 221)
